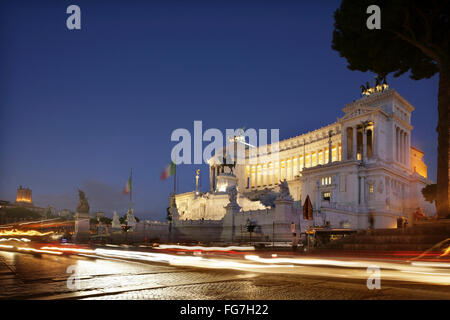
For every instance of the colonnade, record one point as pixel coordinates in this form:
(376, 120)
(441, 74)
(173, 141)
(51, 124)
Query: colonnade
(358, 142)
(270, 173)
(402, 145)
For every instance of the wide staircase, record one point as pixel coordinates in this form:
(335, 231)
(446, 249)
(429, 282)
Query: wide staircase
(420, 237)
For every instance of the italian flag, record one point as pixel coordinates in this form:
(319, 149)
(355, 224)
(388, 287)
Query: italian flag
(127, 188)
(168, 171)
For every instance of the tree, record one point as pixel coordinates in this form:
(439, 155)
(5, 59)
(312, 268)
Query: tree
(105, 220)
(429, 192)
(21, 213)
(414, 36)
(123, 219)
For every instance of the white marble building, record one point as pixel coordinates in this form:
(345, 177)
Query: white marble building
(362, 165)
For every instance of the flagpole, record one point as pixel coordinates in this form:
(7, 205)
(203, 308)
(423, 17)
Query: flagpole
(175, 180)
(131, 188)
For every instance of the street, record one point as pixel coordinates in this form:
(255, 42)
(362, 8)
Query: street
(47, 276)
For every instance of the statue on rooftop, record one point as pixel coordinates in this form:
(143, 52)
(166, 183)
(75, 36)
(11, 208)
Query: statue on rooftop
(227, 162)
(83, 204)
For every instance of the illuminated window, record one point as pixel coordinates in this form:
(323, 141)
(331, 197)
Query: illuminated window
(276, 170)
(334, 156)
(325, 181)
(371, 188)
(288, 168)
(326, 196)
(264, 173)
(253, 176)
(270, 173)
(259, 175)
(283, 172)
(314, 159)
(295, 167)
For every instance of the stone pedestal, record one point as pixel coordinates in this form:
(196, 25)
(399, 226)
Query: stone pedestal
(225, 181)
(229, 225)
(82, 233)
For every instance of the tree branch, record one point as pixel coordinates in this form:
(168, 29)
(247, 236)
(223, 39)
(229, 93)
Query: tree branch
(429, 33)
(427, 51)
(412, 39)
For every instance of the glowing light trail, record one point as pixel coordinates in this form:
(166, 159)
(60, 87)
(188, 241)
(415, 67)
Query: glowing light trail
(38, 251)
(15, 239)
(31, 233)
(230, 248)
(77, 250)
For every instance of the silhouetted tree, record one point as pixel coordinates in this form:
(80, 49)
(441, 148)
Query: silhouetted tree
(429, 192)
(21, 213)
(123, 219)
(414, 36)
(105, 220)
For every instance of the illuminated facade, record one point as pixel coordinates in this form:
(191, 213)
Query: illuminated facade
(417, 164)
(23, 200)
(24, 196)
(362, 165)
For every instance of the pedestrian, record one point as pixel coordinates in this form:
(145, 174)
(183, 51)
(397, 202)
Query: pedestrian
(419, 215)
(371, 220)
(294, 241)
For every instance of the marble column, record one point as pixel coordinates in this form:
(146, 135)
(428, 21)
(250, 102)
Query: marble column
(343, 144)
(304, 154)
(406, 149)
(364, 152)
(355, 137)
(288, 169)
(396, 144)
(330, 155)
(402, 146)
(375, 141)
(363, 190)
(270, 173)
(277, 172)
(408, 145)
(211, 179)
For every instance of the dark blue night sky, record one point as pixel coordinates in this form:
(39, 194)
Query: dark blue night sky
(79, 108)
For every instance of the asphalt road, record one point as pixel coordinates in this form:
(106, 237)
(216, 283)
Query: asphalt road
(28, 276)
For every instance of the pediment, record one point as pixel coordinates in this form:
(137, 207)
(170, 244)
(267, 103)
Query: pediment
(357, 111)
